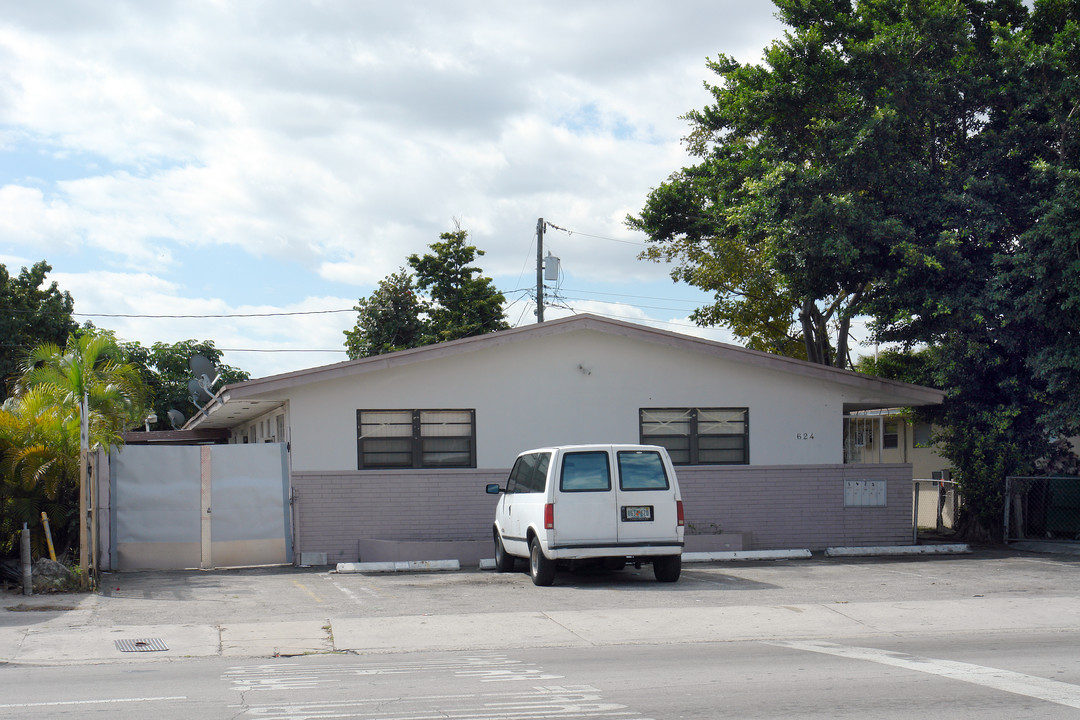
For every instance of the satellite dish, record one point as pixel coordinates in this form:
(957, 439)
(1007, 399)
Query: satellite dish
(205, 371)
(199, 394)
(176, 419)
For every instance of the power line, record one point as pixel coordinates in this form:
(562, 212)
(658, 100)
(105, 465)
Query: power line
(14, 311)
(553, 226)
(638, 297)
(222, 315)
(283, 350)
(634, 305)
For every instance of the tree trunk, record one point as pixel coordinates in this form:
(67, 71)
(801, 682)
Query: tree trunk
(806, 317)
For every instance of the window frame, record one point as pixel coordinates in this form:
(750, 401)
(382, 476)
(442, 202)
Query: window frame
(693, 439)
(416, 438)
(890, 438)
(922, 435)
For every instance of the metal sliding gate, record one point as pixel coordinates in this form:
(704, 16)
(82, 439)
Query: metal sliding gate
(199, 506)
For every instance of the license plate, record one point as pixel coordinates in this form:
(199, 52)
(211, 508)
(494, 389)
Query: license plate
(637, 513)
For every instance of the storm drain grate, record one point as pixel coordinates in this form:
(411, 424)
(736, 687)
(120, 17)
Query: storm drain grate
(141, 645)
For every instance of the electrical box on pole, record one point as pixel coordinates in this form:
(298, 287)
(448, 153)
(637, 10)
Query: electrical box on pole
(551, 268)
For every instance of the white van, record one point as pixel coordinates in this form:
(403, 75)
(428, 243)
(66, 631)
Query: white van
(619, 503)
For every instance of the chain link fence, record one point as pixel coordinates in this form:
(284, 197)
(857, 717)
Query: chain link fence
(1042, 508)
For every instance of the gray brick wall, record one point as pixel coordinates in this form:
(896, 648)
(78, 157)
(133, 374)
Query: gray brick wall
(780, 507)
(336, 510)
(797, 507)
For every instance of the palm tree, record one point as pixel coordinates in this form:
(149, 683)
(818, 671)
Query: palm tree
(40, 423)
(91, 365)
(39, 464)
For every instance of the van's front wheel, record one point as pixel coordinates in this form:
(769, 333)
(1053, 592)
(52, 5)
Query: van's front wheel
(541, 568)
(667, 568)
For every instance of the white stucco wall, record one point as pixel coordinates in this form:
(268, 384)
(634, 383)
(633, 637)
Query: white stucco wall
(575, 387)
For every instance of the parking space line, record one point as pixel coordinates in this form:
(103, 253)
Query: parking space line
(303, 587)
(349, 592)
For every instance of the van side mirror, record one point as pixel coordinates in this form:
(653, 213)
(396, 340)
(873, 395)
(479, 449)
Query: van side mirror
(494, 489)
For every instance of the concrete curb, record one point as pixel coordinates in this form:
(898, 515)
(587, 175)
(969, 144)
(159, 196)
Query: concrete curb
(400, 566)
(952, 549)
(720, 556)
(744, 555)
(688, 557)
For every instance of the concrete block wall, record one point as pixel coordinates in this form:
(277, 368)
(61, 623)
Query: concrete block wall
(779, 507)
(789, 506)
(334, 511)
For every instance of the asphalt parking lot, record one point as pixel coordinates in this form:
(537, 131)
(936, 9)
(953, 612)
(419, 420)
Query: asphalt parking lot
(287, 593)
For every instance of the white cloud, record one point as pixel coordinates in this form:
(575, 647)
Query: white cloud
(281, 154)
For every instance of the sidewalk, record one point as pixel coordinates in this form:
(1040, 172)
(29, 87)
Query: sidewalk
(276, 612)
(63, 642)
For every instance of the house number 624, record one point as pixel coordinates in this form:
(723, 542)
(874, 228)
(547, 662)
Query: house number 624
(804, 436)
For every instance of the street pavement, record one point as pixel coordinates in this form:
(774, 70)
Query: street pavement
(287, 611)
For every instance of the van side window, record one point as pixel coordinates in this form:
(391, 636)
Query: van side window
(539, 476)
(585, 472)
(642, 471)
(529, 473)
(515, 474)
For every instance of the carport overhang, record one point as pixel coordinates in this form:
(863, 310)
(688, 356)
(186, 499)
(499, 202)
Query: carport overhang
(878, 394)
(225, 411)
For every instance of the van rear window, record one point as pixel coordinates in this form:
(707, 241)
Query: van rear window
(641, 470)
(585, 472)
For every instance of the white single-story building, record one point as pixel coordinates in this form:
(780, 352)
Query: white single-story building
(390, 453)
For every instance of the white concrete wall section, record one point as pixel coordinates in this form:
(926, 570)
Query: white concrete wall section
(571, 388)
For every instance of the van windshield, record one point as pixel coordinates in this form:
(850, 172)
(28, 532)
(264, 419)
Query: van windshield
(642, 470)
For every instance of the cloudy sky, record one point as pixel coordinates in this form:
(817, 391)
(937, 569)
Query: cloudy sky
(229, 159)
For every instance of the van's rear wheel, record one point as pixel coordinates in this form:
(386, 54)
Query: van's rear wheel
(541, 568)
(504, 562)
(667, 568)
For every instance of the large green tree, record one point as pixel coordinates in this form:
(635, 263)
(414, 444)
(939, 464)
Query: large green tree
(460, 302)
(165, 370)
(1000, 313)
(463, 302)
(389, 319)
(30, 313)
(1039, 274)
(913, 162)
(828, 174)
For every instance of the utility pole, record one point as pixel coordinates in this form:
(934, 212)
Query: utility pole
(540, 270)
(84, 491)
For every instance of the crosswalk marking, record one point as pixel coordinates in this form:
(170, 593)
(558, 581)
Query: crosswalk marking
(538, 701)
